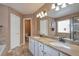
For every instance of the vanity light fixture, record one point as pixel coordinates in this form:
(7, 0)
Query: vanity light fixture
(37, 15)
(41, 14)
(58, 6)
(45, 13)
(63, 5)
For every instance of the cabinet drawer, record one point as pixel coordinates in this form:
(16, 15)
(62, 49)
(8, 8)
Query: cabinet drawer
(62, 54)
(36, 48)
(50, 51)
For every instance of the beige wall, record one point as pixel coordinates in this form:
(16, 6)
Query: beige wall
(35, 21)
(5, 22)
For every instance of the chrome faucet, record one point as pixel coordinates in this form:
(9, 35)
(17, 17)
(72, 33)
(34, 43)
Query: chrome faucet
(61, 39)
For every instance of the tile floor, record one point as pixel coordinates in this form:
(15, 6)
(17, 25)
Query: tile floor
(20, 51)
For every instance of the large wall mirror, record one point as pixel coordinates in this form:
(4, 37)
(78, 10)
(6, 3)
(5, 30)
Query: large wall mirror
(44, 27)
(69, 28)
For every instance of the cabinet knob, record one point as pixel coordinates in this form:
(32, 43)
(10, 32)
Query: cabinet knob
(42, 51)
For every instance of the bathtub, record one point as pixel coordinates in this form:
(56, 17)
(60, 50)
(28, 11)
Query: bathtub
(2, 47)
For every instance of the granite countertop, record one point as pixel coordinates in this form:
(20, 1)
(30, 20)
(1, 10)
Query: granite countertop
(67, 48)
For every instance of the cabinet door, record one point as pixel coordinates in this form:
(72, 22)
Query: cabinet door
(36, 48)
(48, 51)
(40, 49)
(31, 45)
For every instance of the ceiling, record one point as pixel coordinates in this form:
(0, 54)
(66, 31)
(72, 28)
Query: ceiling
(25, 8)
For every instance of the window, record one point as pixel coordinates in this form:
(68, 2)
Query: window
(63, 26)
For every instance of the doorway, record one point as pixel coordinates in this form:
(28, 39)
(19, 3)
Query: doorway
(26, 29)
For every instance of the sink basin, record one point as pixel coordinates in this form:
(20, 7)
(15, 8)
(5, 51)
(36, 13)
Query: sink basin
(58, 44)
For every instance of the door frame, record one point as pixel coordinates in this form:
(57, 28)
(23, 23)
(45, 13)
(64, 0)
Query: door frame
(24, 19)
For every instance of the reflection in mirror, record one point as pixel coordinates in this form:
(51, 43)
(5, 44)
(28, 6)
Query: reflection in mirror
(63, 26)
(76, 29)
(44, 27)
(69, 27)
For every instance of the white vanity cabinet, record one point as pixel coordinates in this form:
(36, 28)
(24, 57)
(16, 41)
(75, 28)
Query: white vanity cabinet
(41, 49)
(31, 46)
(48, 51)
(36, 53)
(35, 47)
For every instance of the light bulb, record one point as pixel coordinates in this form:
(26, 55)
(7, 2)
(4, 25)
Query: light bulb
(57, 8)
(53, 6)
(37, 15)
(45, 13)
(63, 5)
(42, 14)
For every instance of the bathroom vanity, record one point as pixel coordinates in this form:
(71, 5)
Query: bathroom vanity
(41, 46)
